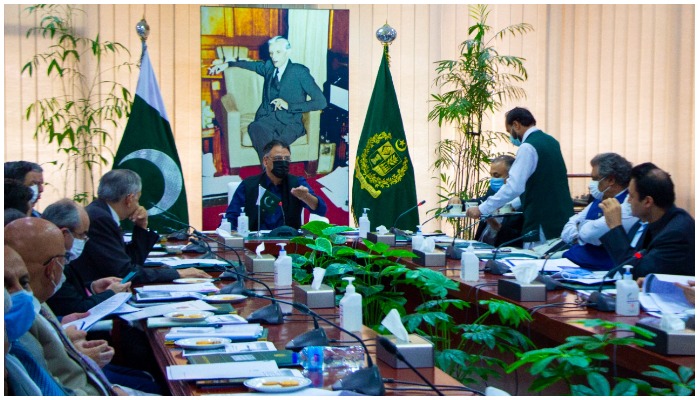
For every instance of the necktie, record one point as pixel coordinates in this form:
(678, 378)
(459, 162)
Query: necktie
(93, 371)
(45, 382)
(276, 80)
(638, 234)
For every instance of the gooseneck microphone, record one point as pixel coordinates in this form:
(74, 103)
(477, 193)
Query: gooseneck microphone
(453, 252)
(549, 282)
(366, 380)
(389, 346)
(284, 217)
(605, 302)
(394, 229)
(499, 268)
(271, 314)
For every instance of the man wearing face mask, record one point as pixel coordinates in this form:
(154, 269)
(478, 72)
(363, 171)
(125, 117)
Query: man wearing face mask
(293, 191)
(31, 175)
(73, 296)
(538, 176)
(610, 176)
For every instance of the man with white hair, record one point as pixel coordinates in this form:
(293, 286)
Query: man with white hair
(284, 97)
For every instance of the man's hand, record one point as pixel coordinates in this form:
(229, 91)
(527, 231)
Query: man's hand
(74, 334)
(98, 350)
(140, 217)
(102, 284)
(217, 66)
(688, 291)
(280, 104)
(454, 200)
(302, 193)
(192, 273)
(473, 213)
(612, 211)
(74, 317)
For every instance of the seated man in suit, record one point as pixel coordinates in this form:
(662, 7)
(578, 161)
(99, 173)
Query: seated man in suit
(18, 196)
(497, 230)
(665, 232)
(31, 175)
(293, 192)
(106, 254)
(284, 97)
(610, 174)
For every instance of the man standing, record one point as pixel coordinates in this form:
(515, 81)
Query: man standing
(538, 176)
(293, 191)
(664, 231)
(31, 175)
(610, 174)
(284, 97)
(106, 254)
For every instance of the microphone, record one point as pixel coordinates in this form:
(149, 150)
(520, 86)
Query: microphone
(389, 346)
(393, 228)
(366, 380)
(499, 268)
(453, 252)
(549, 282)
(284, 217)
(605, 302)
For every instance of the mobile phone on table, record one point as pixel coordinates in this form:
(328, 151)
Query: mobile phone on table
(129, 277)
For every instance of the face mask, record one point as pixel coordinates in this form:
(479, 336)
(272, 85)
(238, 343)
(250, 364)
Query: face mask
(514, 138)
(57, 286)
(77, 249)
(280, 168)
(36, 305)
(21, 316)
(35, 193)
(497, 183)
(593, 188)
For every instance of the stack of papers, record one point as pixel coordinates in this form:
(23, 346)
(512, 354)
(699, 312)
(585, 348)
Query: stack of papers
(235, 332)
(660, 294)
(233, 348)
(227, 319)
(196, 305)
(206, 287)
(100, 311)
(249, 369)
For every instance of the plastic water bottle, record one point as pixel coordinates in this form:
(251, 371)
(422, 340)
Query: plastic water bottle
(626, 294)
(469, 265)
(417, 239)
(314, 358)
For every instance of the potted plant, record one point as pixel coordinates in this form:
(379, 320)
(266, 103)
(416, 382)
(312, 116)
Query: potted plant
(475, 84)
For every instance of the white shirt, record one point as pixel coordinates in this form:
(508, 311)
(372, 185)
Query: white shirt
(590, 230)
(281, 70)
(115, 216)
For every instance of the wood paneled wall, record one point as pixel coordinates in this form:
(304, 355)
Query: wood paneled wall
(601, 78)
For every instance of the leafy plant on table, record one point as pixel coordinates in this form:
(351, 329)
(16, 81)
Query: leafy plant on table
(329, 250)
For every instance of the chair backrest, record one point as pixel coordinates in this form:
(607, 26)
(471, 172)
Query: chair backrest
(245, 86)
(232, 186)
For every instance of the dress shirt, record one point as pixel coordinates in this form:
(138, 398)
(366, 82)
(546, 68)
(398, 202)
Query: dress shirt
(590, 230)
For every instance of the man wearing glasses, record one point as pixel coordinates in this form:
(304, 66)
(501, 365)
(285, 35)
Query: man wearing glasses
(290, 193)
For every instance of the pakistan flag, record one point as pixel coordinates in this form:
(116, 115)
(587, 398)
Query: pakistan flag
(148, 148)
(383, 179)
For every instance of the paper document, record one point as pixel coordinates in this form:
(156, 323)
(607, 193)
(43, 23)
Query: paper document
(205, 287)
(151, 297)
(193, 305)
(232, 348)
(100, 311)
(551, 265)
(249, 369)
(226, 319)
(659, 293)
(237, 332)
(190, 261)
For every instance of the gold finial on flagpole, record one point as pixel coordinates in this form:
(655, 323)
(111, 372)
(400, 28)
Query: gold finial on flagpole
(386, 34)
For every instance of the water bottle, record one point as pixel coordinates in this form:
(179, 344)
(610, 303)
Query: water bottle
(314, 358)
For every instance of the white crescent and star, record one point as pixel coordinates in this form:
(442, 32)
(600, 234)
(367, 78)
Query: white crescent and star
(172, 177)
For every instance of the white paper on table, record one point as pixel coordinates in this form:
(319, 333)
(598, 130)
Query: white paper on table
(238, 331)
(125, 309)
(335, 186)
(190, 261)
(665, 306)
(194, 305)
(248, 369)
(231, 348)
(205, 287)
(159, 260)
(550, 266)
(100, 311)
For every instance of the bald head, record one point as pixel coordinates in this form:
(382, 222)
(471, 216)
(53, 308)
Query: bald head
(41, 246)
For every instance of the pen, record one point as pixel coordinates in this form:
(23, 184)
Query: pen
(82, 325)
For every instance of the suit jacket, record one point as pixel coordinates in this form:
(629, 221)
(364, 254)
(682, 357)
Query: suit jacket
(73, 297)
(296, 84)
(106, 254)
(669, 242)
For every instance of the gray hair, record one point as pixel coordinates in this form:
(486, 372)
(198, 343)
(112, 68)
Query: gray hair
(507, 159)
(613, 165)
(276, 39)
(63, 214)
(117, 184)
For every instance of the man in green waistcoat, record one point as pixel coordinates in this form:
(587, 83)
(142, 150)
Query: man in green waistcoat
(538, 176)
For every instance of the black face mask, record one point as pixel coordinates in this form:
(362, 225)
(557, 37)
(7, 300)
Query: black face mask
(280, 168)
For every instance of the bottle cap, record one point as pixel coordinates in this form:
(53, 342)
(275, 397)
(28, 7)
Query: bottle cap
(628, 274)
(243, 211)
(282, 249)
(350, 288)
(364, 210)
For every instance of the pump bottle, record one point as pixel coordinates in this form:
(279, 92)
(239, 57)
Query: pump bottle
(225, 225)
(626, 294)
(364, 224)
(283, 268)
(469, 265)
(351, 308)
(243, 223)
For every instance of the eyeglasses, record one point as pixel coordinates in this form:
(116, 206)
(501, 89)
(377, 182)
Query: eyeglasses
(81, 236)
(61, 263)
(282, 158)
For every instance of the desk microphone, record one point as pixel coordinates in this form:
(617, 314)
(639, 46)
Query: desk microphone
(437, 214)
(366, 380)
(389, 346)
(393, 228)
(453, 252)
(284, 217)
(271, 314)
(605, 302)
(549, 282)
(499, 268)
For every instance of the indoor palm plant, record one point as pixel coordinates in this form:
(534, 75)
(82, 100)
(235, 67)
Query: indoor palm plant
(476, 83)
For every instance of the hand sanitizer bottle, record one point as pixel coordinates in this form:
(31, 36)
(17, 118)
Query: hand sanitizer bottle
(469, 265)
(283, 268)
(627, 294)
(351, 308)
(364, 224)
(225, 225)
(243, 223)
(417, 239)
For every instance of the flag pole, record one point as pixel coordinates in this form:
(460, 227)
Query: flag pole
(143, 30)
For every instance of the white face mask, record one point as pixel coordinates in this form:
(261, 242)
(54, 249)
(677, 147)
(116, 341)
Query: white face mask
(35, 193)
(77, 249)
(593, 188)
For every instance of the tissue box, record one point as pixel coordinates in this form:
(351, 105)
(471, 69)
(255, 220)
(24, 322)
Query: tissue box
(514, 290)
(324, 297)
(388, 238)
(418, 351)
(674, 343)
(434, 259)
(255, 265)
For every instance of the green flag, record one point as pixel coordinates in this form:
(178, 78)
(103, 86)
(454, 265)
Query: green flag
(383, 180)
(148, 148)
(267, 201)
